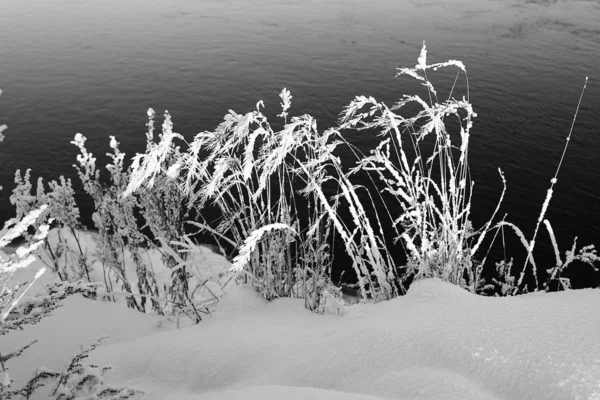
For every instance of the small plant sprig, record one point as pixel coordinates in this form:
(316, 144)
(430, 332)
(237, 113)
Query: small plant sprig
(587, 255)
(7, 380)
(75, 382)
(33, 310)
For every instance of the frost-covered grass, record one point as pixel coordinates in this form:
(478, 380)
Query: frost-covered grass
(281, 195)
(254, 175)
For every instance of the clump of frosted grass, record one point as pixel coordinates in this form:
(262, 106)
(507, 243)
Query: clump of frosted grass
(254, 176)
(252, 187)
(241, 185)
(433, 225)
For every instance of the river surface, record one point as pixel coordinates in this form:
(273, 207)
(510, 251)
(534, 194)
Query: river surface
(95, 67)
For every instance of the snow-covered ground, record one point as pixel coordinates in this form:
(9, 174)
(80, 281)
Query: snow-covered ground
(437, 342)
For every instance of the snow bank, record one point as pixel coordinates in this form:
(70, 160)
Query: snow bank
(437, 342)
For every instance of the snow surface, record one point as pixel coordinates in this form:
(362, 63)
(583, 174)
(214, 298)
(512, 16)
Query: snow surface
(437, 342)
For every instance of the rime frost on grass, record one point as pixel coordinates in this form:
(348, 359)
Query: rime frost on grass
(438, 340)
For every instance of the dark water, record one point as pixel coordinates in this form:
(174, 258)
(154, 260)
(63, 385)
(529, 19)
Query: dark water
(95, 67)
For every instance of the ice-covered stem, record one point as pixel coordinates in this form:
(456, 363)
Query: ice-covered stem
(241, 260)
(548, 197)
